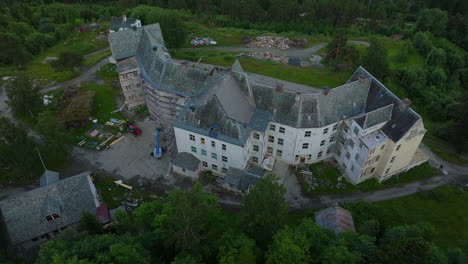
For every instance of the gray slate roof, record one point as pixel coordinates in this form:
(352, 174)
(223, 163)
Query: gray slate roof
(127, 64)
(335, 218)
(118, 22)
(186, 161)
(48, 177)
(243, 180)
(402, 119)
(23, 214)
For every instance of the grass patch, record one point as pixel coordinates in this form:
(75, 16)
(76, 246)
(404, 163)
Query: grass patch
(103, 102)
(108, 73)
(308, 76)
(446, 154)
(326, 179)
(79, 42)
(92, 60)
(444, 207)
(227, 36)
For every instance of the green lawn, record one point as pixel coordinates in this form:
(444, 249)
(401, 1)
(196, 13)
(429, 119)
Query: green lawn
(445, 151)
(103, 102)
(80, 42)
(225, 36)
(445, 207)
(308, 76)
(90, 61)
(327, 178)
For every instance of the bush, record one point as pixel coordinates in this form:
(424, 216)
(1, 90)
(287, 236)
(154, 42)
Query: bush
(422, 171)
(68, 60)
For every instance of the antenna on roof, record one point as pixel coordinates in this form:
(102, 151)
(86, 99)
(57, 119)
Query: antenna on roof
(40, 157)
(279, 87)
(325, 90)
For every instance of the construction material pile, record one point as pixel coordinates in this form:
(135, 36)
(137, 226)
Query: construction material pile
(270, 41)
(273, 41)
(203, 41)
(268, 56)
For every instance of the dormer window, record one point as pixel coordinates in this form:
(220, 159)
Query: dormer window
(52, 217)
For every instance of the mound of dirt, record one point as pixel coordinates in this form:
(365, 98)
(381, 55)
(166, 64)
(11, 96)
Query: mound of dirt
(77, 107)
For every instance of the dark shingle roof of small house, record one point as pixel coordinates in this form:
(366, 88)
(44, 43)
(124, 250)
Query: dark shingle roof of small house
(24, 214)
(243, 180)
(186, 161)
(335, 218)
(49, 177)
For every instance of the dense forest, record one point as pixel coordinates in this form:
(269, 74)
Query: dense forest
(190, 227)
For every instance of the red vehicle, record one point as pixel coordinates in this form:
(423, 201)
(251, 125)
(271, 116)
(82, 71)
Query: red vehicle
(133, 129)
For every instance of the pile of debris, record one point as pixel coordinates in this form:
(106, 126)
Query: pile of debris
(76, 108)
(273, 41)
(203, 41)
(103, 136)
(268, 56)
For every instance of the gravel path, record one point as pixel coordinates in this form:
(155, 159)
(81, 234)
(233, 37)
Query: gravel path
(96, 52)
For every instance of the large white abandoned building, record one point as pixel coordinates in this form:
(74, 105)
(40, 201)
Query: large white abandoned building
(231, 123)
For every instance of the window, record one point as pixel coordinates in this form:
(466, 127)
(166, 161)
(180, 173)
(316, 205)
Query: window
(382, 147)
(348, 155)
(214, 167)
(203, 152)
(255, 147)
(392, 159)
(398, 147)
(338, 152)
(224, 158)
(271, 139)
(328, 150)
(345, 128)
(205, 164)
(335, 127)
(344, 165)
(377, 158)
(213, 144)
(342, 141)
(387, 170)
(372, 151)
(135, 74)
(192, 137)
(131, 97)
(332, 139)
(280, 141)
(372, 170)
(194, 149)
(325, 131)
(309, 157)
(202, 140)
(319, 154)
(307, 133)
(127, 87)
(352, 167)
(270, 150)
(322, 143)
(49, 218)
(256, 136)
(255, 159)
(356, 131)
(413, 133)
(305, 146)
(356, 157)
(297, 157)
(124, 77)
(361, 145)
(351, 143)
(279, 153)
(223, 146)
(214, 156)
(282, 129)
(272, 127)
(224, 170)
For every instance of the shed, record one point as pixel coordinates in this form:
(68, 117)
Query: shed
(186, 164)
(336, 219)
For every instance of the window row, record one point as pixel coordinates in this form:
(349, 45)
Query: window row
(125, 76)
(325, 131)
(202, 141)
(281, 129)
(214, 167)
(205, 153)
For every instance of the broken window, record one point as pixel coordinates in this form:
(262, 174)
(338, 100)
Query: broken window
(256, 136)
(255, 159)
(214, 156)
(279, 153)
(224, 158)
(194, 149)
(255, 147)
(223, 146)
(271, 139)
(305, 145)
(282, 130)
(280, 141)
(272, 127)
(192, 137)
(214, 167)
(202, 140)
(319, 154)
(213, 144)
(322, 143)
(325, 131)
(307, 134)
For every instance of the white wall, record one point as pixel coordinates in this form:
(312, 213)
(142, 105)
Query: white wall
(235, 154)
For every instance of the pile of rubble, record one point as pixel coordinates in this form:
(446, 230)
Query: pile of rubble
(273, 41)
(203, 41)
(268, 56)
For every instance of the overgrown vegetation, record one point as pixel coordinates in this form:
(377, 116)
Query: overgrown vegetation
(326, 178)
(190, 227)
